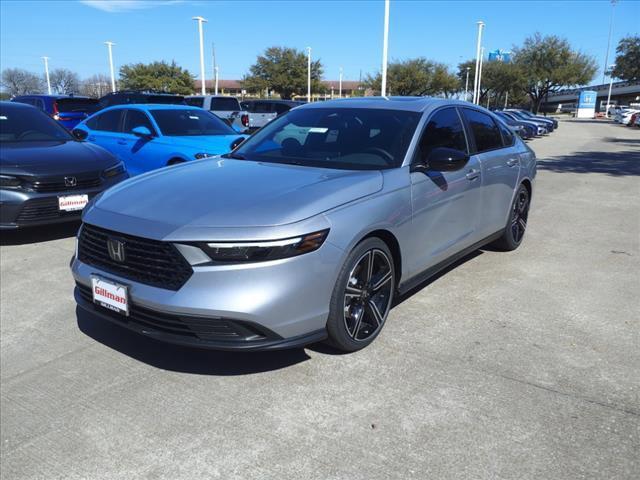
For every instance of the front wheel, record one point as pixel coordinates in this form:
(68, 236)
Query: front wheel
(362, 296)
(514, 231)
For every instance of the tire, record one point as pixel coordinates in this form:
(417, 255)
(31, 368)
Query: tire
(175, 161)
(516, 225)
(362, 296)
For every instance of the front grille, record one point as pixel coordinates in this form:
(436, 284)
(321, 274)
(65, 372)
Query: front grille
(151, 262)
(195, 327)
(40, 209)
(58, 184)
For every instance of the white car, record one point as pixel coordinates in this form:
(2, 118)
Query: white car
(624, 116)
(224, 107)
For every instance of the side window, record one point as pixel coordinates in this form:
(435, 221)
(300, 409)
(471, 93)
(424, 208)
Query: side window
(107, 121)
(508, 137)
(262, 107)
(484, 129)
(444, 129)
(281, 108)
(137, 118)
(195, 101)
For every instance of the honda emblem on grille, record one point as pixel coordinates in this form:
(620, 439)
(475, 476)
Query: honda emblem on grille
(70, 181)
(116, 249)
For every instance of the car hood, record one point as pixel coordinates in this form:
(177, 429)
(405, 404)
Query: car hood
(214, 144)
(53, 158)
(228, 193)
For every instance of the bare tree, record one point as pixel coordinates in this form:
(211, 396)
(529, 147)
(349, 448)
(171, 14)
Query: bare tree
(64, 81)
(96, 85)
(17, 81)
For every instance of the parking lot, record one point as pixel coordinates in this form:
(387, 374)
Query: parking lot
(509, 365)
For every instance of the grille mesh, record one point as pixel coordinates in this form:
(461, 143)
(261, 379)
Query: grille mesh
(151, 262)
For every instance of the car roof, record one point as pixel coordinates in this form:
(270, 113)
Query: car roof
(41, 95)
(151, 106)
(4, 104)
(410, 104)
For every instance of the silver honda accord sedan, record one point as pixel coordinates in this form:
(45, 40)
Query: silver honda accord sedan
(309, 229)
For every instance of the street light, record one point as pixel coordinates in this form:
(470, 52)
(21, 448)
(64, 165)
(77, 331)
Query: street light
(113, 77)
(309, 74)
(606, 58)
(340, 84)
(200, 22)
(475, 80)
(611, 67)
(46, 73)
(385, 48)
(466, 84)
(480, 74)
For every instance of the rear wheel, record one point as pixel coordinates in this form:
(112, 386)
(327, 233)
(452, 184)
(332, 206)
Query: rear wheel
(362, 296)
(514, 231)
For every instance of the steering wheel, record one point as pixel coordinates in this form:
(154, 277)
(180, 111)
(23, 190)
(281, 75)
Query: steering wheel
(382, 153)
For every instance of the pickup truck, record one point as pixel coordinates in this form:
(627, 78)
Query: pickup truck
(225, 107)
(262, 112)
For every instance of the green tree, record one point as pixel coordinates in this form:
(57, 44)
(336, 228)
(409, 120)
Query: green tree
(499, 79)
(549, 64)
(17, 81)
(160, 76)
(628, 59)
(283, 70)
(417, 76)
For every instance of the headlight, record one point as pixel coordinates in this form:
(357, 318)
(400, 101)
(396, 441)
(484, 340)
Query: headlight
(7, 181)
(262, 251)
(202, 155)
(117, 169)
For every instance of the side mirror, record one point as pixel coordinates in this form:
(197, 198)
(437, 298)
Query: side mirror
(142, 132)
(444, 159)
(79, 134)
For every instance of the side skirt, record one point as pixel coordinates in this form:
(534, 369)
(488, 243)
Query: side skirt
(431, 271)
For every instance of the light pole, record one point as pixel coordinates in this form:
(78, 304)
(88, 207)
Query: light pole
(475, 80)
(215, 68)
(340, 85)
(611, 67)
(606, 58)
(309, 74)
(113, 75)
(200, 22)
(46, 73)
(480, 75)
(385, 48)
(466, 85)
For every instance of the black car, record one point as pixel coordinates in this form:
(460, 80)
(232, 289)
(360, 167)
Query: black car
(46, 175)
(122, 97)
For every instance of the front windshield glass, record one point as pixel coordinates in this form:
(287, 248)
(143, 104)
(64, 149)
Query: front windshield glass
(190, 122)
(344, 138)
(24, 124)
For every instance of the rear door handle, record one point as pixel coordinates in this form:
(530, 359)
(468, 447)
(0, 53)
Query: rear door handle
(473, 174)
(512, 162)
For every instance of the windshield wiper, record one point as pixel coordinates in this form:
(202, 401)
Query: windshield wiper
(237, 156)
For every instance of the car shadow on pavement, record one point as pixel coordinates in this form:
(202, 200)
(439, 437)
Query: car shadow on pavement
(611, 163)
(176, 358)
(43, 233)
(329, 350)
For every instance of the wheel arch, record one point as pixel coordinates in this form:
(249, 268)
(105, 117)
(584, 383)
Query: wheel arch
(394, 246)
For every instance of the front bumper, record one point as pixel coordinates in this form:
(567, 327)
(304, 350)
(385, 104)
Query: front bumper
(20, 208)
(281, 303)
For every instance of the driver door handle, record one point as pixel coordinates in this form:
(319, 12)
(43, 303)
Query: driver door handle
(473, 174)
(512, 162)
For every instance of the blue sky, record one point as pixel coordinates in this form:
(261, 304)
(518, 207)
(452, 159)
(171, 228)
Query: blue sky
(341, 33)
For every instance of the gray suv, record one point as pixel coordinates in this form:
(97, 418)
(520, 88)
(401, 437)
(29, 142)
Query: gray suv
(309, 229)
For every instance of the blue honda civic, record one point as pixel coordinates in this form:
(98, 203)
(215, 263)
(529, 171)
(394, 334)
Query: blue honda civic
(147, 137)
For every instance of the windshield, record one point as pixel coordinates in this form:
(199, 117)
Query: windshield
(190, 122)
(343, 138)
(25, 124)
(89, 105)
